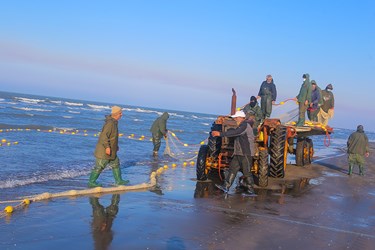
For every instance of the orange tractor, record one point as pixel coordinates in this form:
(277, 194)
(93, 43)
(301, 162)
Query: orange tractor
(273, 144)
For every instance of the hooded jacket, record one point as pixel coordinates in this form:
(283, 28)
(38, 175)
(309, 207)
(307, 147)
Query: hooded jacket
(108, 138)
(159, 127)
(256, 110)
(328, 100)
(243, 137)
(305, 90)
(358, 142)
(268, 89)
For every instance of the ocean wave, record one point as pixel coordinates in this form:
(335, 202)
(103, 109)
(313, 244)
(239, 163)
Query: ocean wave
(140, 110)
(28, 100)
(73, 103)
(32, 109)
(74, 112)
(67, 117)
(56, 102)
(40, 178)
(98, 107)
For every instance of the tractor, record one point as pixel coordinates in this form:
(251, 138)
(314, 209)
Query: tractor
(274, 142)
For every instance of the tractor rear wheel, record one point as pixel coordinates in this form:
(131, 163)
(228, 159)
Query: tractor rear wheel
(201, 163)
(263, 167)
(277, 152)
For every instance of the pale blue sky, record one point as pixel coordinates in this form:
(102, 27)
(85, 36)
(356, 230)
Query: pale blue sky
(187, 55)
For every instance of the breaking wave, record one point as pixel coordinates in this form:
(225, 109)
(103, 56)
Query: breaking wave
(40, 178)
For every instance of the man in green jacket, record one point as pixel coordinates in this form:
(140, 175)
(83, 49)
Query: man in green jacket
(158, 130)
(253, 109)
(303, 99)
(106, 149)
(357, 149)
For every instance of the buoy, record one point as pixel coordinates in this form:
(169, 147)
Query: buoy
(9, 209)
(186, 145)
(3, 140)
(174, 165)
(165, 166)
(192, 163)
(202, 143)
(16, 142)
(173, 134)
(26, 201)
(185, 163)
(282, 103)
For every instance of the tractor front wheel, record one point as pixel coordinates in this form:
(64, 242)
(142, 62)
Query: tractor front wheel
(202, 172)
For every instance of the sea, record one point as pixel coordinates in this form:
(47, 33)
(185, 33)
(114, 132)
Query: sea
(47, 143)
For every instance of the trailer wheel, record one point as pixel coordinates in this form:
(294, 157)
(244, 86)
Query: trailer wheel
(304, 151)
(277, 151)
(263, 167)
(310, 150)
(201, 163)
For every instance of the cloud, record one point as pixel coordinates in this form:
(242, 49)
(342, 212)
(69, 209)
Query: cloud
(13, 52)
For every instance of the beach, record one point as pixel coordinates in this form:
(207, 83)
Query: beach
(315, 207)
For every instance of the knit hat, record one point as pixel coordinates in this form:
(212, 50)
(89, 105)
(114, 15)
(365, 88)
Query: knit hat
(313, 82)
(116, 110)
(329, 86)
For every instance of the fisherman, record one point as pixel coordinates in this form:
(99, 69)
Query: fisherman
(357, 148)
(242, 156)
(303, 99)
(326, 110)
(267, 93)
(252, 108)
(106, 149)
(159, 130)
(312, 111)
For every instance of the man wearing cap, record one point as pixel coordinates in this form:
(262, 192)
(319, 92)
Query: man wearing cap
(267, 93)
(106, 149)
(357, 149)
(326, 111)
(159, 130)
(242, 156)
(304, 99)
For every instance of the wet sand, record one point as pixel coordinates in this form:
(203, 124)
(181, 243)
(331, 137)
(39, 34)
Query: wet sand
(314, 207)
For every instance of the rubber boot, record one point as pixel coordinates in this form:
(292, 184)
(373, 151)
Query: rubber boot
(117, 174)
(361, 173)
(249, 182)
(350, 169)
(227, 183)
(92, 180)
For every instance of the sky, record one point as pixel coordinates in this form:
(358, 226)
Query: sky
(187, 55)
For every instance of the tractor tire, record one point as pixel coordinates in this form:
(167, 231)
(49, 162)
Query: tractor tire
(263, 167)
(277, 152)
(201, 163)
(214, 143)
(304, 152)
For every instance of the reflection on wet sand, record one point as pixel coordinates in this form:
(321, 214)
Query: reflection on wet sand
(102, 221)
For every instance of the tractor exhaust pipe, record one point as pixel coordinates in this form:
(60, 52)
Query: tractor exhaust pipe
(234, 102)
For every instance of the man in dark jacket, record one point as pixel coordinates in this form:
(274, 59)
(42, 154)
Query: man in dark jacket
(253, 109)
(267, 93)
(158, 130)
(303, 99)
(312, 111)
(106, 149)
(242, 156)
(328, 104)
(357, 149)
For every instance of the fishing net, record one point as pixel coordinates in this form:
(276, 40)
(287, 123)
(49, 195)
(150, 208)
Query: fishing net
(179, 150)
(286, 111)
